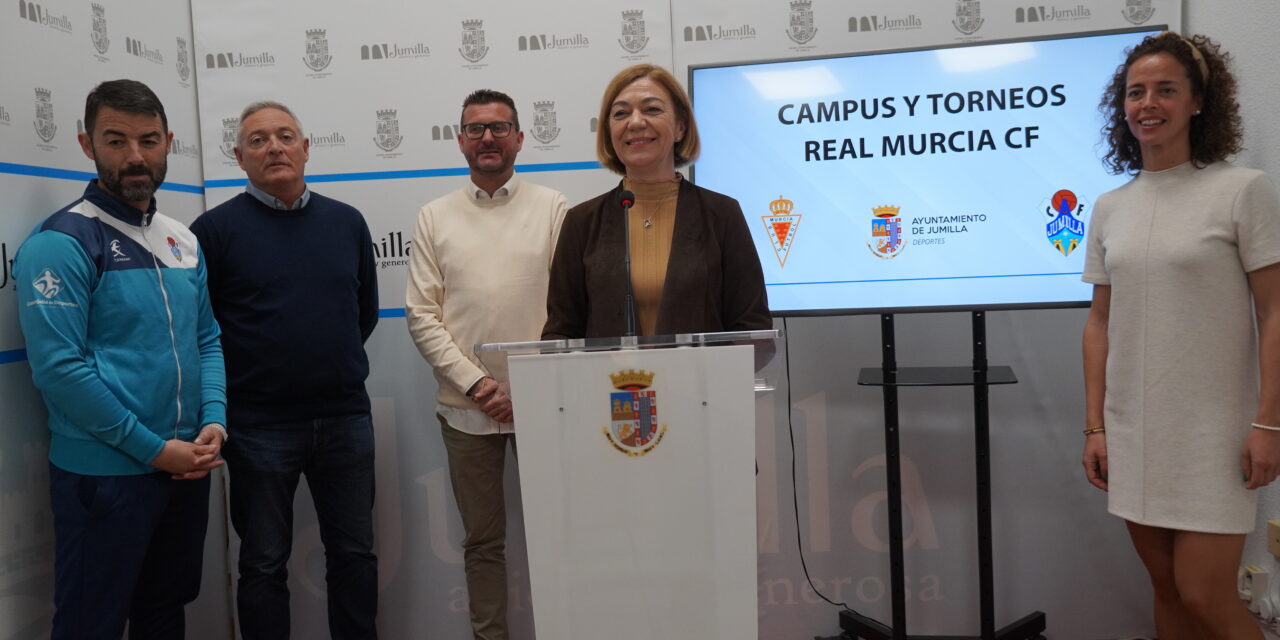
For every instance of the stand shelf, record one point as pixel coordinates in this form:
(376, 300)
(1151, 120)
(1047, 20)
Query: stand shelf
(980, 376)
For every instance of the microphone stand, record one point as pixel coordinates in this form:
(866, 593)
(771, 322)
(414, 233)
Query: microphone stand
(628, 199)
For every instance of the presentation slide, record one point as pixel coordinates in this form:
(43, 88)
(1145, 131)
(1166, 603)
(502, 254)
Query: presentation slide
(955, 178)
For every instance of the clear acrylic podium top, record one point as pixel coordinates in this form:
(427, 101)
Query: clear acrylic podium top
(769, 369)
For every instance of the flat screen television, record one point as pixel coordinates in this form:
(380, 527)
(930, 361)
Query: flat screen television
(924, 180)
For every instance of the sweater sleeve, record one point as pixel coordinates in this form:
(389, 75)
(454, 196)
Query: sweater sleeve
(54, 315)
(424, 299)
(368, 275)
(213, 373)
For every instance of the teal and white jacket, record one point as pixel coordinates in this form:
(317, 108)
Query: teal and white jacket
(120, 335)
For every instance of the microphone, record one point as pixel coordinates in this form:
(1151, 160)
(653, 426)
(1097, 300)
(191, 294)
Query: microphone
(627, 200)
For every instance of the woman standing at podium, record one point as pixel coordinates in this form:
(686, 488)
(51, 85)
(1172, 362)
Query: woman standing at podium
(694, 267)
(1182, 259)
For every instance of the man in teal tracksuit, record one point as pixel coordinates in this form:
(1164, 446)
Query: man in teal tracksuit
(124, 348)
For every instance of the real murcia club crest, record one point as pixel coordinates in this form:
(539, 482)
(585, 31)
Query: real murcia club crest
(781, 227)
(46, 128)
(388, 130)
(99, 31)
(801, 29)
(886, 232)
(633, 409)
(544, 121)
(1065, 229)
(1138, 11)
(184, 61)
(317, 57)
(633, 37)
(968, 16)
(473, 46)
(230, 129)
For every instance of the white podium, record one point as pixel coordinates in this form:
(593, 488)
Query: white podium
(637, 474)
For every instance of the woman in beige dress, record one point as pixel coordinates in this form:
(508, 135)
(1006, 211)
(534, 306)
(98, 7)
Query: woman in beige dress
(1183, 258)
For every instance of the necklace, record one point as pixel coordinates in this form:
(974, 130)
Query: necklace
(648, 222)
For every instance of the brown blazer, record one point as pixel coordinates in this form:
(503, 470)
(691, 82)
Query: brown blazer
(714, 281)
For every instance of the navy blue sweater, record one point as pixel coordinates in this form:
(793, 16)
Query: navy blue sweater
(296, 295)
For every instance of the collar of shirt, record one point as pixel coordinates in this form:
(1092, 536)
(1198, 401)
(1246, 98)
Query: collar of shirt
(505, 190)
(277, 203)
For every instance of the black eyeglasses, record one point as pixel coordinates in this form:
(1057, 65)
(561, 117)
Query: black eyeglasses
(475, 130)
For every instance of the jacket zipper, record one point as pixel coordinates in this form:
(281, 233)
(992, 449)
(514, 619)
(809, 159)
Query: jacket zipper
(173, 340)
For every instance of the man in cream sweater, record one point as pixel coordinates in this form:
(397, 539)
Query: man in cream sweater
(478, 273)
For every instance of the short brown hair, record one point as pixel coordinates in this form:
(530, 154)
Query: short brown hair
(1215, 134)
(687, 148)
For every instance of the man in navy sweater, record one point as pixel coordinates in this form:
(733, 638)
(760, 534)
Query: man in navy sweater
(293, 285)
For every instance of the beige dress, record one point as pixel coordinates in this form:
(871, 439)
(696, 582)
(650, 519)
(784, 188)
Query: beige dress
(1181, 387)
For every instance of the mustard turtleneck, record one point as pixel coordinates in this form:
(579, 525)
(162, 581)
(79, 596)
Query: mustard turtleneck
(652, 223)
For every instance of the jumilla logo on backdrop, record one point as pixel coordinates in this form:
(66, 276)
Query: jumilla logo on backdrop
(327, 141)
(544, 121)
(445, 132)
(706, 32)
(235, 60)
(968, 16)
(1050, 13)
(1137, 11)
(781, 227)
(317, 56)
(6, 266)
(544, 42)
(99, 32)
(908, 22)
(34, 12)
(801, 29)
(473, 48)
(388, 128)
(392, 51)
(136, 47)
(633, 38)
(184, 62)
(184, 149)
(392, 250)
(633, 409)
(4, 115)
(46, 128)
(230, 132)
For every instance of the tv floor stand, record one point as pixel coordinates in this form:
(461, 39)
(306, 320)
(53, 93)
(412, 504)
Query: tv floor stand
(890, 377)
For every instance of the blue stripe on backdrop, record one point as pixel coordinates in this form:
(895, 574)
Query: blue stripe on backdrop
(391, 313)
(69, 174)
(412, 173)
(17, 355)
(81, 176)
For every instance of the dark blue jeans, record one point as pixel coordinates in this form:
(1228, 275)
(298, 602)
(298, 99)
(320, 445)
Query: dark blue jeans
(264, 463)
(127, 548)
